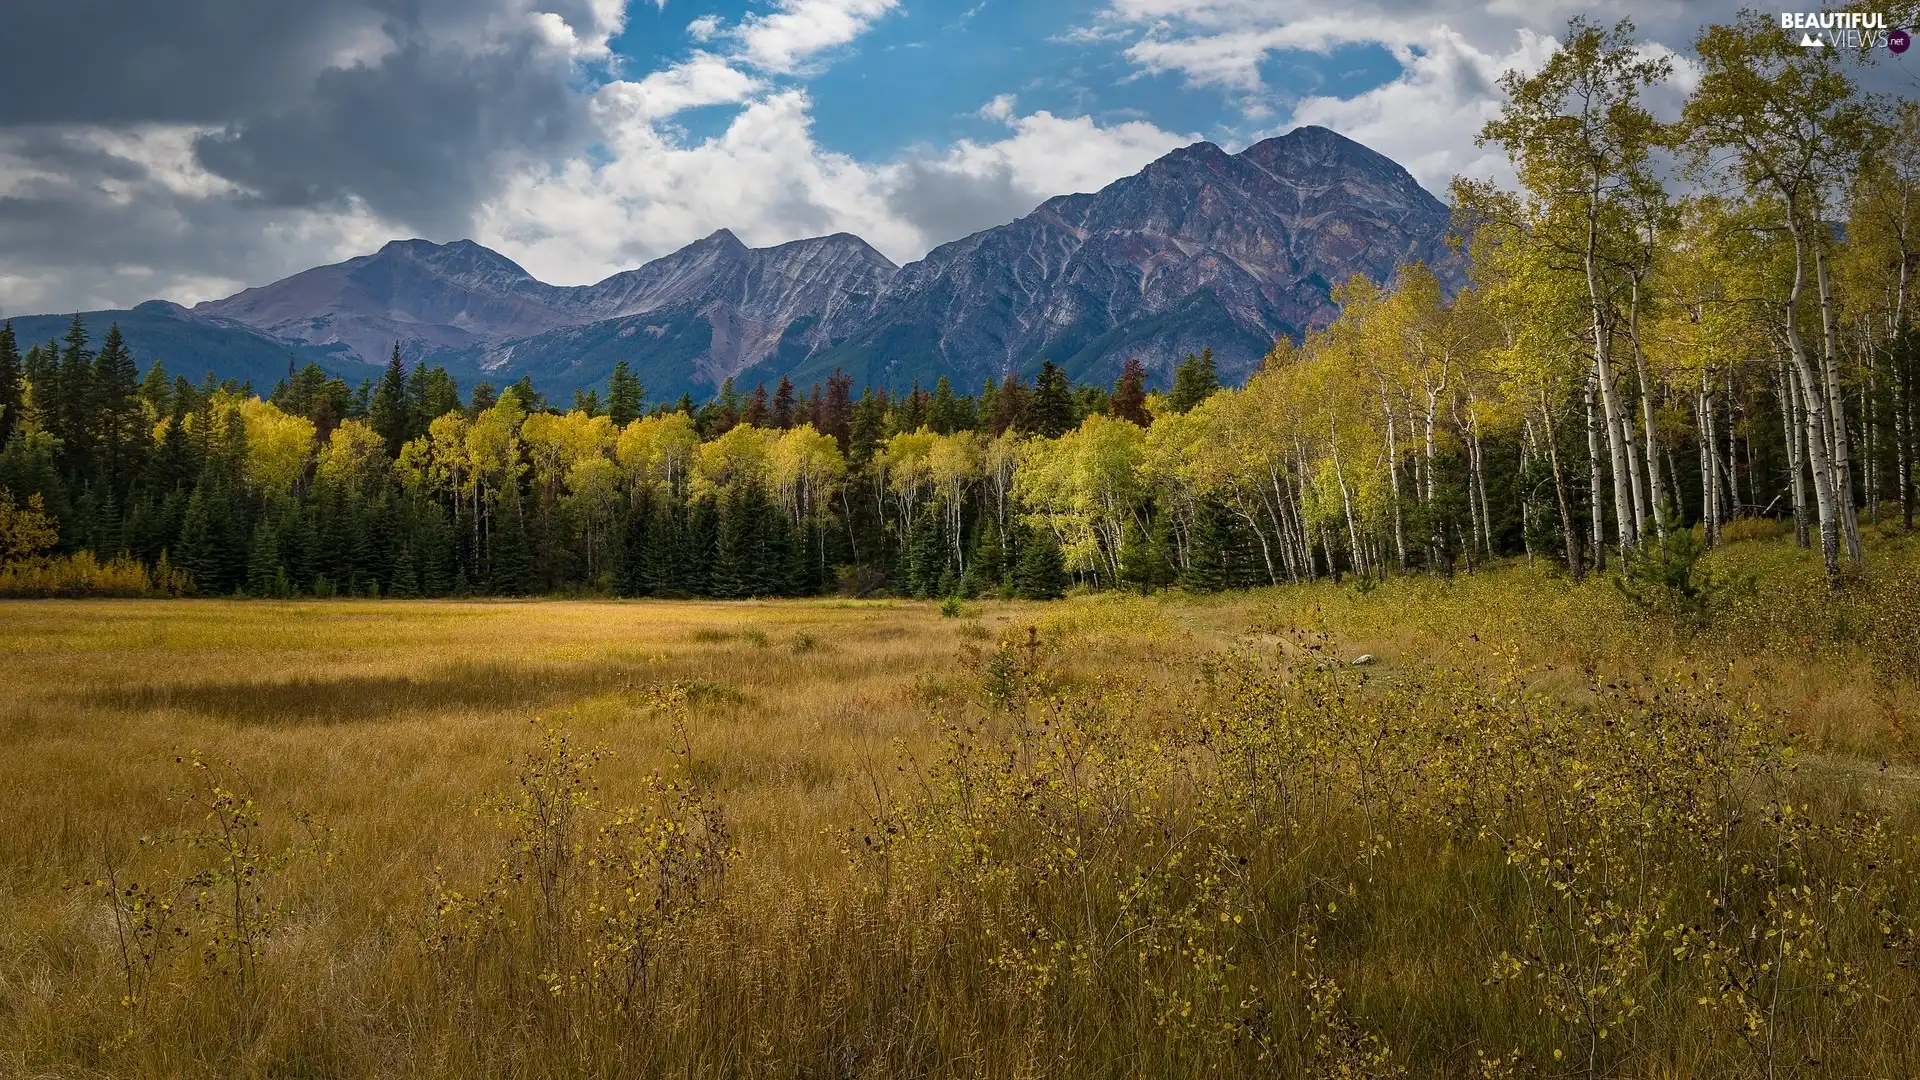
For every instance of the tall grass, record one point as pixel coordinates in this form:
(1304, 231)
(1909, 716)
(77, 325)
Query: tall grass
(1546, 833)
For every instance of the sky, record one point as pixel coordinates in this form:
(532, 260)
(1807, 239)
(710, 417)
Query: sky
(188, 149)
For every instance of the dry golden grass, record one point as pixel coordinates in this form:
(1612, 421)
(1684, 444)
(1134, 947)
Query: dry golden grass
(392, 722)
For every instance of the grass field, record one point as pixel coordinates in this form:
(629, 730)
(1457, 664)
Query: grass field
(1545, 833)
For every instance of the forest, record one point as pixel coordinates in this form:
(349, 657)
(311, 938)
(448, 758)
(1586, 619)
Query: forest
(1668, 328)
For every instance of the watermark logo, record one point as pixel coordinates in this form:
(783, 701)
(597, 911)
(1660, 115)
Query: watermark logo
(1844, 30)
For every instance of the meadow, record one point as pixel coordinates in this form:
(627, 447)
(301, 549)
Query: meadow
(1550, 829)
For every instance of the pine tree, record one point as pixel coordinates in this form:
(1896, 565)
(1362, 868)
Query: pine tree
(1010, 407)
(1206, 569)
(11, 381)
(119, 417)
(943, 415)
(404, 584)
(265, 574)
(783, 404)
(1051, 412)
(512, 554)
(757, 411)
(624, 395)
(157, 391)
(1129, 400)
(387, 410)
(70, 406)
(1042, 572)
(1193, 381)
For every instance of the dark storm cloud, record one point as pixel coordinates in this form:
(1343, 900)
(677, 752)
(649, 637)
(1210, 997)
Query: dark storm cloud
(414, 135)
(129, 61)
(411, 108)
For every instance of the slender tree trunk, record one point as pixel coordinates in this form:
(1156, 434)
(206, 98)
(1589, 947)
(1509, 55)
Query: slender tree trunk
(1393, 474)
(1818, 422)
(1603, 374)
(1568, 529)
(1646, 418)
(1849, 514)
(1796, 444)
(1709, 482)
(1597, 483)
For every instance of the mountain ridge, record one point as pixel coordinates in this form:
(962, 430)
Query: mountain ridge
(1199, 248)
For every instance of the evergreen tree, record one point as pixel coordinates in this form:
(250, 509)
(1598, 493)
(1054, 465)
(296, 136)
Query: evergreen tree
(624, 395)
(1051, 412)
(484, 396)
(586, 401)
(388, 411)
(157, 391)
(70, 406)
(265, 574)
(1193, 381)
(1010, 407)
(758, 410)
(119, 418)
(869, 427)
(834, 416)
(943, 415)
(1042, 572)
(783, 404)
(404, 582)
(12, 381)
(1129, 400)
(512, 554)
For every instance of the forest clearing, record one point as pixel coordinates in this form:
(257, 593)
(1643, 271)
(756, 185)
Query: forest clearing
(1551, 829)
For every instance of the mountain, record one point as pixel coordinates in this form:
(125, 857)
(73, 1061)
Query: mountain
(688, 320)
(428, 297)
(1201, 248)
(193, 345)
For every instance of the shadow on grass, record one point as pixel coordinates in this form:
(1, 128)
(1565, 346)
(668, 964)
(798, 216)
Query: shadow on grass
(488, 687)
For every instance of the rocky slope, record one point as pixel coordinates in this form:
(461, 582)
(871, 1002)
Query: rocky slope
(1201, 248)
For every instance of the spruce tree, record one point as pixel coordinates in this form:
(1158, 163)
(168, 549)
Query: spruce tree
(943, 415)
(783, 404)
(266, 576)
(624, 395)
(1051, 412)
(119, 417)
(512, 553)
(1042, 572)
(1193, 381)
(404, 582)
(1129, 400)
(12, 378)
(387, 411)
(157, 390)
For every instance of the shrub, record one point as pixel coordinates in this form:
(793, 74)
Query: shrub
(81, 576)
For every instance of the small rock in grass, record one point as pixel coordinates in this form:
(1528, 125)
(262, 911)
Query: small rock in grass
(1363, 660)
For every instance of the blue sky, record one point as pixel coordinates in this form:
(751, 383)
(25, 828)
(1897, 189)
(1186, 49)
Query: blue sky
(233, 142)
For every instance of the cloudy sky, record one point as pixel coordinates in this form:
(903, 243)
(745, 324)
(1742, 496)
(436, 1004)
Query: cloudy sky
(187, 149)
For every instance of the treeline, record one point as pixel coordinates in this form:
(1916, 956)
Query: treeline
(1624, 369)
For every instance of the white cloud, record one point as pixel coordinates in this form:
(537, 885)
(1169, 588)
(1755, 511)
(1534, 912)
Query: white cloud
(1051, 155)
(1000, 108)
(1451, 55)
(702, 79)
(800, 29)
(767, 180)
(1428, 117)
